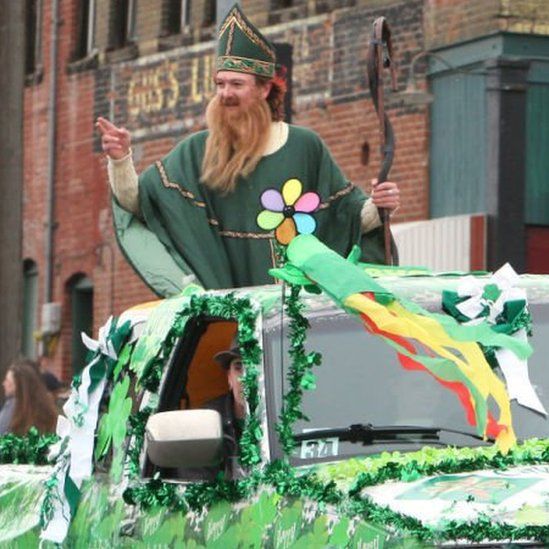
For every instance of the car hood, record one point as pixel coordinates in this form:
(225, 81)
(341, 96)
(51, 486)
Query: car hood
(517, 496)
(514, 496)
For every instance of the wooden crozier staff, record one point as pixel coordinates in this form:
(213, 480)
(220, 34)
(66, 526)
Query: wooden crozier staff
(380, 53)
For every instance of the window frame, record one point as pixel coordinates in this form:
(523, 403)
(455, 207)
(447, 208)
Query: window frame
(84, 45)
(33, 66)
(173, 386)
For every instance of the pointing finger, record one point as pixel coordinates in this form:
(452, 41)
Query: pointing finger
(102, 127)
(105, 124)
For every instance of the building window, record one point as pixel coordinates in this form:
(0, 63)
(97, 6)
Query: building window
(85, 40)
(33, 37)
(176, 16)
(180, 16)
(210, 13)
(81, 307)
(281, 4)
(123, 17)
(30, 308)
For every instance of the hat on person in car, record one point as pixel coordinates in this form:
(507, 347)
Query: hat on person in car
(224, 358)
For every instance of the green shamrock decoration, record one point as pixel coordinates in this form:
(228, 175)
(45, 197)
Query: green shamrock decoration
(113, 425)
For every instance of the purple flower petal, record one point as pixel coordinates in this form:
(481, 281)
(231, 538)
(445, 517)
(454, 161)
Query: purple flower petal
(271, 199)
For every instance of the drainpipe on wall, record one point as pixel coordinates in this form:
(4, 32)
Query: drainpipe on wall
(50, 321)
(52, 127)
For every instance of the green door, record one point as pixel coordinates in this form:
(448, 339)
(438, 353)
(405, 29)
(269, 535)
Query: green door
(458, 144)
(82, 321)
(537, 146)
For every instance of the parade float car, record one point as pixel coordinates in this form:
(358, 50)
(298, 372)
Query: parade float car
(352, 438)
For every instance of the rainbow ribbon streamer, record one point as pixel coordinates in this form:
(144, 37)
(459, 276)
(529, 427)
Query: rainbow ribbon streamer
(435, 343)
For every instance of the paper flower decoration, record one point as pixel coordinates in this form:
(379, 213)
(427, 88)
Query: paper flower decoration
(288, 213)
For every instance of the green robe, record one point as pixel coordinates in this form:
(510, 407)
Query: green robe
(215, 236)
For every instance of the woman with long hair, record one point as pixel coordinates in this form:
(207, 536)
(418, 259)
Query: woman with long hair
(28, 402)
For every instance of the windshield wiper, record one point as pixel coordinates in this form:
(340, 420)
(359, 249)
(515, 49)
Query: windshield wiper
(368, 433)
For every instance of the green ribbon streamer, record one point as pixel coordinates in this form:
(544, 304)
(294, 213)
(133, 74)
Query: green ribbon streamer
(72, 493)
(102, 366)
(117, 336)
(336, 276)
(481, 333)
(340, 279)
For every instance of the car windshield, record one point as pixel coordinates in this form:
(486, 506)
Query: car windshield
(362, 382)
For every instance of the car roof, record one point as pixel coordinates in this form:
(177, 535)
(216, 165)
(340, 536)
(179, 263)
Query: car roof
(423, 290)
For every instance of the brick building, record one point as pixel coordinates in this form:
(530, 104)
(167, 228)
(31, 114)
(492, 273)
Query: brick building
(147, 65)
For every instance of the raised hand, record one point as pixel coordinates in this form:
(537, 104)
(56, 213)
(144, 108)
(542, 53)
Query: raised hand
(114, 141)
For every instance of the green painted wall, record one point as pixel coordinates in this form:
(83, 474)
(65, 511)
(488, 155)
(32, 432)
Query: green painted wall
(537, 146)
(82, 321)
(458, 144)
(459, 141)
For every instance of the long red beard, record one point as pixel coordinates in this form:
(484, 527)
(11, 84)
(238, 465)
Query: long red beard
(235, 144)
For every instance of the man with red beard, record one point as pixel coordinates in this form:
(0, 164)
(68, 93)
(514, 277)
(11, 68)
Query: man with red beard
(201, 202)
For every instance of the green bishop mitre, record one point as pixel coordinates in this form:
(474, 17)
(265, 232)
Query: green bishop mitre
(242, 48)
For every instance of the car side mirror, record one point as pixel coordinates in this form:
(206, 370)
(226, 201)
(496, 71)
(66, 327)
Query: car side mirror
(185, 438)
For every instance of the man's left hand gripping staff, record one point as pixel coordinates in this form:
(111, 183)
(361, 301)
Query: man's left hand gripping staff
(385, 195)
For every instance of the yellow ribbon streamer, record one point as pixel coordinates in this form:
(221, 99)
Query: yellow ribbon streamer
(468, 356)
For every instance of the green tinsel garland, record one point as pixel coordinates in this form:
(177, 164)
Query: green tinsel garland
(278, 474)
(136, 434)
(427, 462)
(481, 529)
(31, 448)
(287, 481)
(300, 375)
(230, 308)
(156, 491)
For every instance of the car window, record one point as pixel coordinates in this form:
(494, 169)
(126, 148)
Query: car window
(528, 424)
(361, 381)
(195, 380)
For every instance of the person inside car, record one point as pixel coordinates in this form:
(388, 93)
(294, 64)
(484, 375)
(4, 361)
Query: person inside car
(232, 407)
